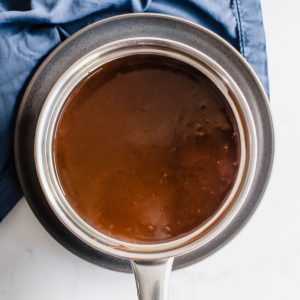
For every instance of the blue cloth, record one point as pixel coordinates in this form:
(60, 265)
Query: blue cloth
(30, 29)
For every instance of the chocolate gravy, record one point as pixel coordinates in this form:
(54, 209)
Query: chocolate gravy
(146, 149)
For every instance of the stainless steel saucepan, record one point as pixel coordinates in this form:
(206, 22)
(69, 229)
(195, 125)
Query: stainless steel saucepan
(73, 61)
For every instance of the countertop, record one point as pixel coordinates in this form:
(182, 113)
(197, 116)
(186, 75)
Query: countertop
(262, 262)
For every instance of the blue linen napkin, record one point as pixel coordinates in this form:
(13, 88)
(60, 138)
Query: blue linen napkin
(30, 29)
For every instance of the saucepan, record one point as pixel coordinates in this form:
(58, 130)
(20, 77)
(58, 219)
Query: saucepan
(73, 61)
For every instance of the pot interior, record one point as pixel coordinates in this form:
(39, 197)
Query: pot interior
(57, 102)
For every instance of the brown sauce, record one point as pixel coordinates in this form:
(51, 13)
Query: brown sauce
(146, 149)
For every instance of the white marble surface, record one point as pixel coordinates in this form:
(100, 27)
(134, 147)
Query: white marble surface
(262, 262)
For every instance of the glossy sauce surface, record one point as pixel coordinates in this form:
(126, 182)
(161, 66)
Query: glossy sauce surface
(146, 149)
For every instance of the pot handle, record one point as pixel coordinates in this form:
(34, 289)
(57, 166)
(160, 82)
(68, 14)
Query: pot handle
(152, 278)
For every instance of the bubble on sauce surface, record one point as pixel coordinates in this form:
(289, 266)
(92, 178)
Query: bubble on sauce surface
(150, 227)
(168, 229)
